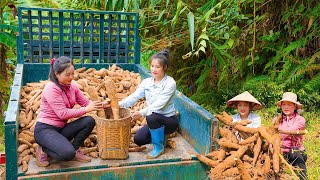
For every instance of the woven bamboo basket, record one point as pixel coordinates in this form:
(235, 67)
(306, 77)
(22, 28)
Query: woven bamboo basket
(114, 135)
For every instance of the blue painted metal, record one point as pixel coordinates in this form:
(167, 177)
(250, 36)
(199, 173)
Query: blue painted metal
(20, 40)
(197, 125)
(18, 75)
(136, 42)
(11, 149)
(91, 39)
(11, 125)
(109, 34)
(96, 41)
(118, 40)
(40, 36)
(72, 33)
(127, 38)
(61, 42)
(50, 36)
(11, 139)
(175, 170)
(82, 38)
(104, 166)
(101, 36)
(30, 32)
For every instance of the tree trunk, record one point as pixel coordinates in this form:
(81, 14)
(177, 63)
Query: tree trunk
(3, 75)
(3, 66)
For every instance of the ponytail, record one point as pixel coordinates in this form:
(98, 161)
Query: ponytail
(163, 57)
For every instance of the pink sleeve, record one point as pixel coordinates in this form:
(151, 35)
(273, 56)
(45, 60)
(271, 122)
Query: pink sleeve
(81, 99)
(53, 95)
(301, 123)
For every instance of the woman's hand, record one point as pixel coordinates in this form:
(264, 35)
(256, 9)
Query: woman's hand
(93, 106)
(136, 115)
(106, 103)
(276, 121)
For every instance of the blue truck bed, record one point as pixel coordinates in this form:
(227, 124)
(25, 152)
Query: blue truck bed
(137, 161)
(198, 128)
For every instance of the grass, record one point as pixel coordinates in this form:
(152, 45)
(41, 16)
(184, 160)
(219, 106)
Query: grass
(312, 144)
(311, 139)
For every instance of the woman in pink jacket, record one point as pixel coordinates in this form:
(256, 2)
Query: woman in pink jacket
(57, 138)
(291, 127)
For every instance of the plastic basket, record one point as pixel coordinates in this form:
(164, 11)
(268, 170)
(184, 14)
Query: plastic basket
(114, 135)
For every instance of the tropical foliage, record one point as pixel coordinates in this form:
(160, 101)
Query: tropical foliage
(7, 48)
(261, 46)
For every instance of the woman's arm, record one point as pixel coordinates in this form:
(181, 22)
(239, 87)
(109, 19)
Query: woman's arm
(134, 97)
(297, 128)
(53, 96)
(162, 99)
(294, 132)
(81, 99)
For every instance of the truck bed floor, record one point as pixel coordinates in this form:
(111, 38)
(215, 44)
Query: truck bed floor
(183, 151)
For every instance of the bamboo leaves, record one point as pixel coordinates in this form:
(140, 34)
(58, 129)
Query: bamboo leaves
(9, 27)
(153, 4)
(126, 4)
(161, 14)
(136, 5)
(191, 28)
(8, 39)
(176, 16)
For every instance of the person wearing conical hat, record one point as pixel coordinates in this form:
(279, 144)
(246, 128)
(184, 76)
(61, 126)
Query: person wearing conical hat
(290, 126)
(245, 103)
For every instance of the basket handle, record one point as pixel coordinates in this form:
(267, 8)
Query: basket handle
(131, 116)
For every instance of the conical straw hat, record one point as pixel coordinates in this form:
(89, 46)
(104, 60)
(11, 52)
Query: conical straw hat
(245, 96)
(291, 97)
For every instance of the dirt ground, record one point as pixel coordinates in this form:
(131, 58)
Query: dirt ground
(2, 171)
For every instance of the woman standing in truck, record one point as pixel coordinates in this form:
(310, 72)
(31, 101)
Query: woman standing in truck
(158, 91)
(52, 132)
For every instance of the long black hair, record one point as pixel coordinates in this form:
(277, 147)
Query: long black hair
(59, 65)
(163, 57)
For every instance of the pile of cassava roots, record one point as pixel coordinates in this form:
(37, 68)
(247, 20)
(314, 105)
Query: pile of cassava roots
(247, 153)
(95, 85)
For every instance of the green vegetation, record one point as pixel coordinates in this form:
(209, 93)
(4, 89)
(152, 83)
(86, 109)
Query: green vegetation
(312, 144)
(219, 49)
(7, 58)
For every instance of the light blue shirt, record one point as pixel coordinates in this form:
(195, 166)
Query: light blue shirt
(256, 120)
(159, 97)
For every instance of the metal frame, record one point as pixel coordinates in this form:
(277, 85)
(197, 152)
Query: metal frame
(86, 36)
(197, 126)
